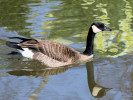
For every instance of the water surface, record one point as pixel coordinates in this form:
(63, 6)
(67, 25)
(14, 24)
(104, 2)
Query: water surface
(68, 22)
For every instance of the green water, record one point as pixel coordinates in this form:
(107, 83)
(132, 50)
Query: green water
(67, 22)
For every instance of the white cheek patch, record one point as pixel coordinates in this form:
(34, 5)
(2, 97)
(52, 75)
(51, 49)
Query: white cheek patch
(95, 29)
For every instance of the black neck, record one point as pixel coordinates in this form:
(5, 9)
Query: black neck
(90, 42)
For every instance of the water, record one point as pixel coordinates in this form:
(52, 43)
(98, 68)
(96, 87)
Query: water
(68, 22)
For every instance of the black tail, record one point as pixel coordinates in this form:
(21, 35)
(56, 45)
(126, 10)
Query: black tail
(13, 45)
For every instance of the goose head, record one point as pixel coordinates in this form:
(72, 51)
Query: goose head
(98, 27)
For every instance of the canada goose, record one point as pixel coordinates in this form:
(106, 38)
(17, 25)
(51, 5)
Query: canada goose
(96, 90)
(55, 54)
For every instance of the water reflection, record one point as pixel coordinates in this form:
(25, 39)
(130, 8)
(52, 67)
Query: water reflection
(13, 15)
(40, 72)
(67, 22)
(96, 90)
(27, 67)
(74, 17)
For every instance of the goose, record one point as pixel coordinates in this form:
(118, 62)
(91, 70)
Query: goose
(54, 54)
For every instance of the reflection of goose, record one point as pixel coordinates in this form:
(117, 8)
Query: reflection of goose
(42, 72)
(54, 54)
(96, 90)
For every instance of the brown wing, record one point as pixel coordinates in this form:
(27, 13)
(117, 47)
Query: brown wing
(53, 50)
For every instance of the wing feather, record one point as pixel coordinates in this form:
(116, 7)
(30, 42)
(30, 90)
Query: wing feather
(54, 50)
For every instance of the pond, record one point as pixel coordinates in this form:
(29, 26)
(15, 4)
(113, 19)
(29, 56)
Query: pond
(108, 77)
